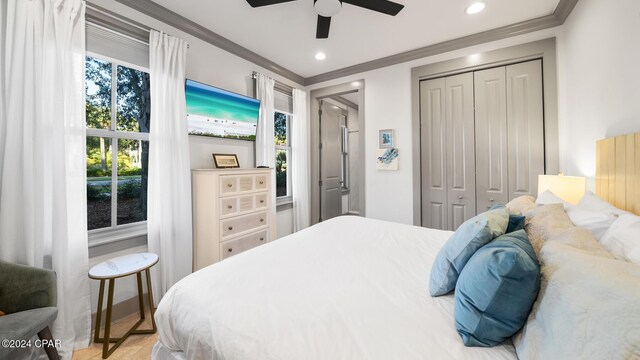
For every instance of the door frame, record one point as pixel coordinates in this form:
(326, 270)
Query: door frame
(541, 49)
(315, 97)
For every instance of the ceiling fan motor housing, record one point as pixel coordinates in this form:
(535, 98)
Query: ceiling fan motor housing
(327, 8)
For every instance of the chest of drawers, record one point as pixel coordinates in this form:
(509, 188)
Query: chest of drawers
(233, 211)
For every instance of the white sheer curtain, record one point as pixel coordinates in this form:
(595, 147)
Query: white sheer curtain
(300, 161)
(265, 146)
(169, 191)
(265, 143)
(43, 214)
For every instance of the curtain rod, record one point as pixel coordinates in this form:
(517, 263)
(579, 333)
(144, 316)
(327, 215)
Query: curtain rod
(118, 23)
(278, 85)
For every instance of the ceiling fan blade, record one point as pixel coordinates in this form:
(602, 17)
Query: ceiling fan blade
(258, 3)
(322, 30)
(383, 6)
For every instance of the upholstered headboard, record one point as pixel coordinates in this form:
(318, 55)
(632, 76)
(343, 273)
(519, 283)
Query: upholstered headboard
(618, 171)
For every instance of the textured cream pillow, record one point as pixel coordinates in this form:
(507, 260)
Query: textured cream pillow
(543, 222)
(521, 204)
(587, 306)
(582, 240)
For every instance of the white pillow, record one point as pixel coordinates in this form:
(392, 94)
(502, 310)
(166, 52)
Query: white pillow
(623, 238)
(591, 201)
(597, 222)
(548, 197)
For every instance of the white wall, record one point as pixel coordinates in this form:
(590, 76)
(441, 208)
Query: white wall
(599, 80)
(387, 104)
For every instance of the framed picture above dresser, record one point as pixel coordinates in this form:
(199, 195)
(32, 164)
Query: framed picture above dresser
(233, 211)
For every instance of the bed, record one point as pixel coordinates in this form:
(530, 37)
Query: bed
(347, 288)
(357, 288)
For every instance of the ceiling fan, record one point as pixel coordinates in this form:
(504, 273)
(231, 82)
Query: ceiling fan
(327, 8)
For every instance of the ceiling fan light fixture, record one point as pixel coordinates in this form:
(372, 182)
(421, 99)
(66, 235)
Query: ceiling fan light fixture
(327, 8)
(475, 7)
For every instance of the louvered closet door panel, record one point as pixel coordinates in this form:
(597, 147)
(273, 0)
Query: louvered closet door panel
(491, 137)
(460, 159)
(525, 127)
(433, 152)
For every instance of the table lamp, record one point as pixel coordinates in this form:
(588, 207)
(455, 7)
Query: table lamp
(568, 188)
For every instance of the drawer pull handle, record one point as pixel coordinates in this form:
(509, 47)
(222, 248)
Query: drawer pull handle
(261, 201)
(230, 250)
(229, 185)
(229, 207)
(261, 182)
(261, 220)
(230, 228)
(261, 239)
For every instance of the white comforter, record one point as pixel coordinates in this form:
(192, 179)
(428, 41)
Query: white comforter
(348, 288)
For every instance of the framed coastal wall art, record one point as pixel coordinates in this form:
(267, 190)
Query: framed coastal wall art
(385, 139)
(387, 159)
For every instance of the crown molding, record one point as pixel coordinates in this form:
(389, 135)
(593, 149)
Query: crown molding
(177, 21)
(564, 8)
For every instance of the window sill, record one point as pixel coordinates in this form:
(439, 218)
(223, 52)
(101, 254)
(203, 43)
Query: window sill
(124, 232)
(284, 203)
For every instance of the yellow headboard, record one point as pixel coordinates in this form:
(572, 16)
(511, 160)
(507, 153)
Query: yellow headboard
(618, 171)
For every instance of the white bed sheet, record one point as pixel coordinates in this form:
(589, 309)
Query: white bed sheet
(348, 288)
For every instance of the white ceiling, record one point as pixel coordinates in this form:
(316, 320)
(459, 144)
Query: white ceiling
(285, 33)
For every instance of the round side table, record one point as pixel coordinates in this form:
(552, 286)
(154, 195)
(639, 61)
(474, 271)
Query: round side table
(111, 270)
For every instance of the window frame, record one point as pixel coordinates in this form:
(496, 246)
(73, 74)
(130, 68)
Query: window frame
(288, 198)
(115, 232)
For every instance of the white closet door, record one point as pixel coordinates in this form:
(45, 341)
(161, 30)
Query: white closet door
(433, 161)
(491, 138)
(525, 127)
(460, 158)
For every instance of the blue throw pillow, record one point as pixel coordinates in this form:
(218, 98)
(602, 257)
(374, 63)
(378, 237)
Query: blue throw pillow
(470, 236)
(516, 222)
(496, 290)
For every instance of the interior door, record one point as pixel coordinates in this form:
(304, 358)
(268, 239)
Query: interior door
(525, 121)
(491, 138)
(433, 153)
(461, 176)
(330, 161)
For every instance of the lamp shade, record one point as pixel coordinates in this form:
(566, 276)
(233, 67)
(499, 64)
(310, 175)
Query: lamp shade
(568, 188)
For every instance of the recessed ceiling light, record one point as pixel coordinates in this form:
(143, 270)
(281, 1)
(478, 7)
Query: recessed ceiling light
(355, 83)
(321, 56)
(475, 7)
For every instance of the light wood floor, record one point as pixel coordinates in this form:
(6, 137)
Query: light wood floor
(134, 348)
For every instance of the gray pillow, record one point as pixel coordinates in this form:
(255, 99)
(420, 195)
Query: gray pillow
(470, 236)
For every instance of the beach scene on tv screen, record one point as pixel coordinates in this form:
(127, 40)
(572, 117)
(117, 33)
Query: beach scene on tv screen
(215, 112)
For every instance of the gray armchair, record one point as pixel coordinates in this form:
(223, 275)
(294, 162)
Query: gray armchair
(28, 298)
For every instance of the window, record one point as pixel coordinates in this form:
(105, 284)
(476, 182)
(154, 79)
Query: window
(118, 122)
(282, 138)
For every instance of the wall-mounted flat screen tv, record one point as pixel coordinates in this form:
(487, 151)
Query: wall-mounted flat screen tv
(220, 113)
